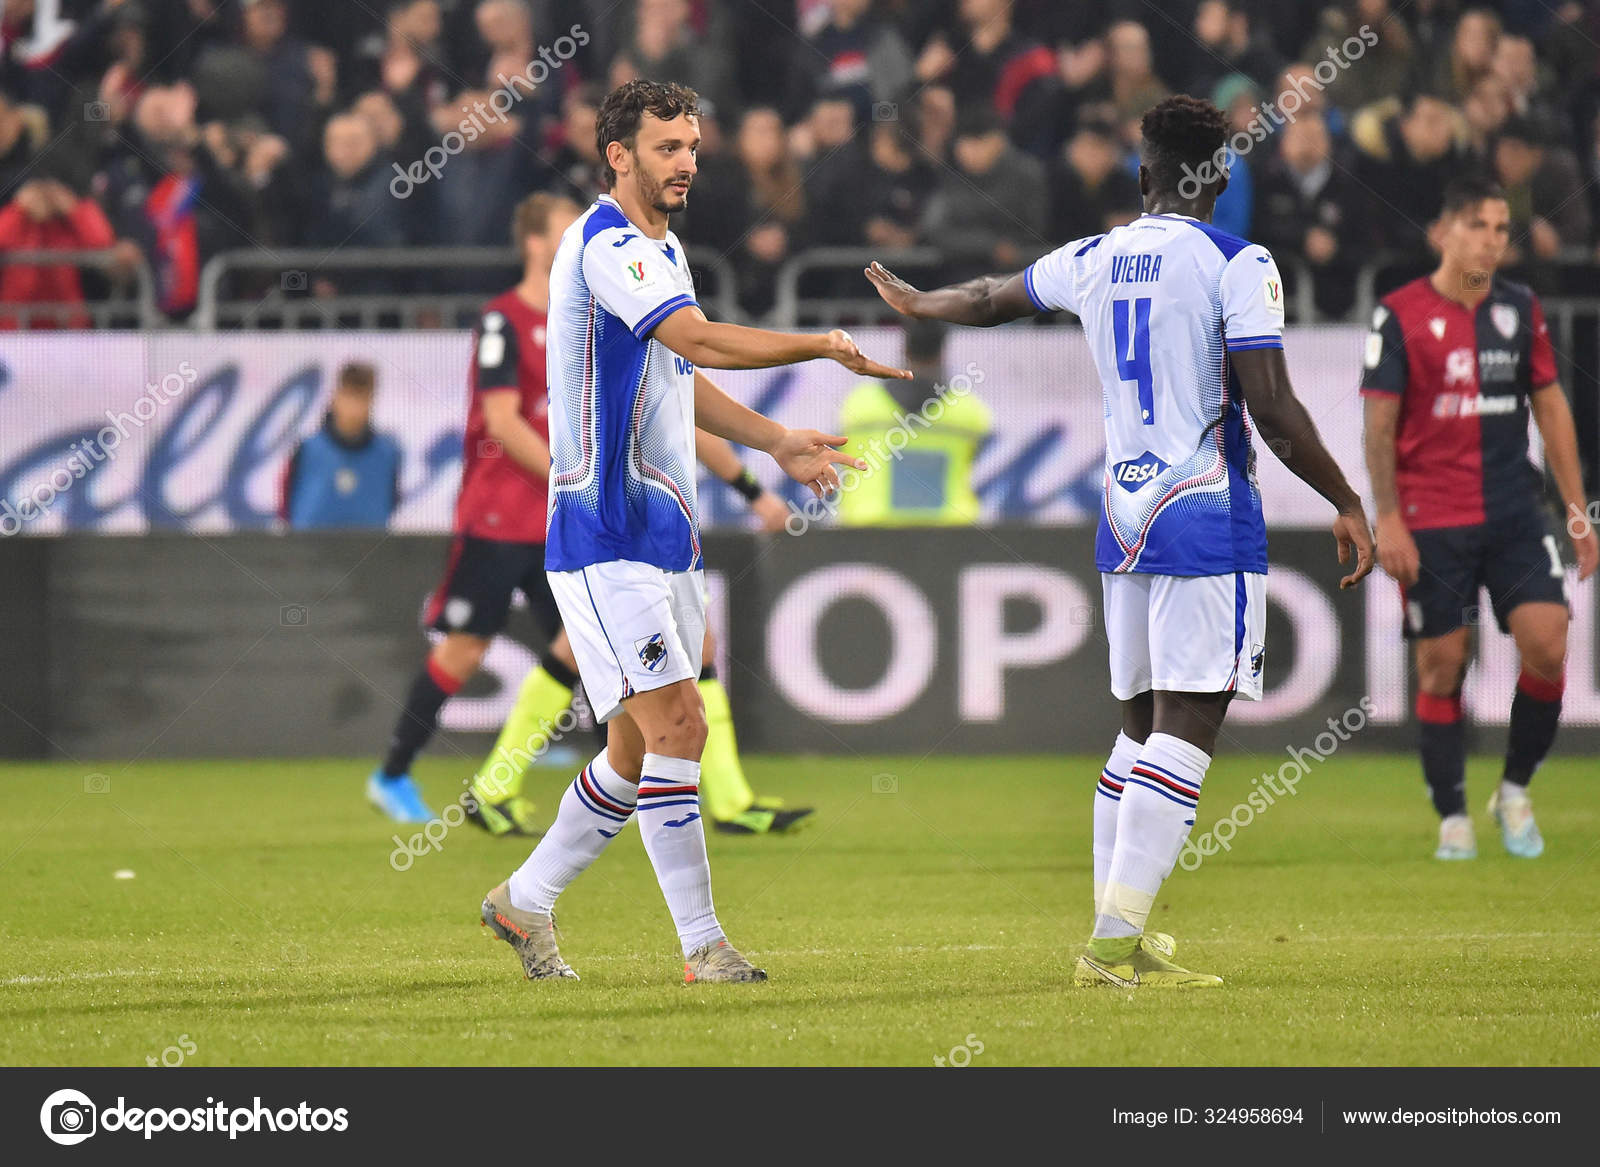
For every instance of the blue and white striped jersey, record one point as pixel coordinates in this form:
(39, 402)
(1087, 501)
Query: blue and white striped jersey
(1163, 300)
(622, 477)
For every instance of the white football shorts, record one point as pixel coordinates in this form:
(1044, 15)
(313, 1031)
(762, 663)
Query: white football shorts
(633, 628)
(1186, 634)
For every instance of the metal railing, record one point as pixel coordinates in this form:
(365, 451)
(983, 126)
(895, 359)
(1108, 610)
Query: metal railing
(137, 311)
(289, 302)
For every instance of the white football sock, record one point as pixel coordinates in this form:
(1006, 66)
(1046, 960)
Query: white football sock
(1156, 814)
(594, 809)
(1107, 801)
(675, 839)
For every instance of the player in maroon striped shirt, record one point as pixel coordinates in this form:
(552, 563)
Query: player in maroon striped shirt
(1454, 363)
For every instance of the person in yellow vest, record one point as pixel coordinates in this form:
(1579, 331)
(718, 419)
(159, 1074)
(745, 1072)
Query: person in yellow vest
(919, 439)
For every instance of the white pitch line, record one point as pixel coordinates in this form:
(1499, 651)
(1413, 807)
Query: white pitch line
(599, 958)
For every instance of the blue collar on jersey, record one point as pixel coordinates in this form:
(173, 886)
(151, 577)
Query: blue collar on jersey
(666, 248)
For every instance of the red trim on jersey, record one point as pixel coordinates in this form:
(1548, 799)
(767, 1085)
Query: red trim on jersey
(1438, 710)
(436, 602)
(448, 685)
(499, 498)
(1540, 689)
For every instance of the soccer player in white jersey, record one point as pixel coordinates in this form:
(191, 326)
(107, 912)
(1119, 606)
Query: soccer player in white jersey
(623, 340)
(1184, 322)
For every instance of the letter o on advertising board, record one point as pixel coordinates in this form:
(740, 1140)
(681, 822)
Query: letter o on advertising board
(795, 665)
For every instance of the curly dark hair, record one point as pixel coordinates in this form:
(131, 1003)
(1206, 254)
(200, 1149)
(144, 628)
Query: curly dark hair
(1182, 136)
(626, 105)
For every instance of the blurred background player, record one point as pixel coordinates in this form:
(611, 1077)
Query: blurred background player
(346, 474)
(1185, 593)
(627, 345)
(725, 793)
(921, 470)
(1453, 363)
(500, 514)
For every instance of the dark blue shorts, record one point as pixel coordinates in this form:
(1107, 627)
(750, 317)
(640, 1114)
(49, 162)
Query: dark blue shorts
(479, 579)
(1518, 562)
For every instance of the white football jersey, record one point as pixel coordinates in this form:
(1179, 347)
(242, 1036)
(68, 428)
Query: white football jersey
(1163, 300)
(622, 465)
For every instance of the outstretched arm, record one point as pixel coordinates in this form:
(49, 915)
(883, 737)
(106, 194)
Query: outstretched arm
(984, 301)
(731, 346)
(807, 456)
(1292, 435)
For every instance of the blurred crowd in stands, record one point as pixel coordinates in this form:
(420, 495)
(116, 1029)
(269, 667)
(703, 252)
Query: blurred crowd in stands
(991, 130)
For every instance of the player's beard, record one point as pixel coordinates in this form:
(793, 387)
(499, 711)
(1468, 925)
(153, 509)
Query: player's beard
(658, 196)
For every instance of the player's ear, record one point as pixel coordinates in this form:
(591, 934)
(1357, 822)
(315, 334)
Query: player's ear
(616, 155)
(1221, 186)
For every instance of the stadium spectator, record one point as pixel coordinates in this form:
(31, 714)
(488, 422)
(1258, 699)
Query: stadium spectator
(1406, 157)
(1385, 68)
(1485, 110)
(165, 190)
(663, 45)
(988, 63)
(356, 208)
(291, 84)
(1090, 190)
(833, 173)
(989, 211)
(861, 56)
(479, 188)
(1539, 177)
(935, 122)
(346, 475)
(900, 181)
(576, 160)
(1226, 43)
(1309, 208)
(1471, 56)
(1239, 100)
(408, 59)
(1131, 82)
(1297, 92)
(46, 215)
(23, 131)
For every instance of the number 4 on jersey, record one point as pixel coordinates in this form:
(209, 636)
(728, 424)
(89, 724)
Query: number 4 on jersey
(1130, 324)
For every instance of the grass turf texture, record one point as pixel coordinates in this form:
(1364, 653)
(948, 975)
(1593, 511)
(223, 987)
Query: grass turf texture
(933, 899)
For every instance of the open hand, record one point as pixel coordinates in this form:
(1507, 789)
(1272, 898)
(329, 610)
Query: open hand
(842, 349)
(809, 457)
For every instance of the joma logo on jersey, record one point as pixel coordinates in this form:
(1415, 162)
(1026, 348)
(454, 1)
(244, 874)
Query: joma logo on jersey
(1133, 474)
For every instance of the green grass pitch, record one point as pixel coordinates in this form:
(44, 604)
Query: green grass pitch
(936, 903)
